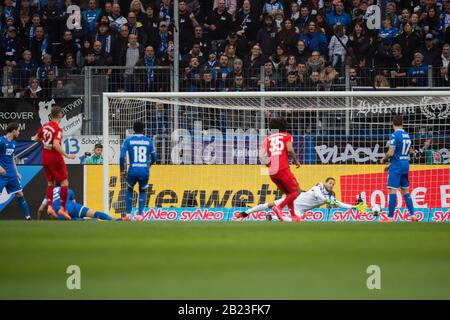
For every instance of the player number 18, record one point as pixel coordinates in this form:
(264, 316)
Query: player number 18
(140, 154)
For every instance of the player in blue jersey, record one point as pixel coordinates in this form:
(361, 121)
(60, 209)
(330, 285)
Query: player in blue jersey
(76, 210)
(398, 168)
(9, 175)
(141, 155)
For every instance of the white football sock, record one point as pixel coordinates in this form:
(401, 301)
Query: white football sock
(260, 207)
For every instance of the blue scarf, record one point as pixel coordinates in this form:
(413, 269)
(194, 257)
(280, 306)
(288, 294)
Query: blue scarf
(150, 63)
(164, 44)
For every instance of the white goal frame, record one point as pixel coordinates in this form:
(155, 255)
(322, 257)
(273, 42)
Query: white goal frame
(248, 94)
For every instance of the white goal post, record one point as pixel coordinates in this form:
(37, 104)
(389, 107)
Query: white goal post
(338, 115)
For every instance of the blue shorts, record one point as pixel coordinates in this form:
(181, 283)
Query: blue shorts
(76, 211)
(142, 180)
(11, 184)
(398, 180)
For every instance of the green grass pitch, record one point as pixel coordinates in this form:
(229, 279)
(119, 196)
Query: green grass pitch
(121, 260)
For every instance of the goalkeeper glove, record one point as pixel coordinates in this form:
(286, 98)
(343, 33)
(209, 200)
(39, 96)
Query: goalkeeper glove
(361, 207)
(330, 203)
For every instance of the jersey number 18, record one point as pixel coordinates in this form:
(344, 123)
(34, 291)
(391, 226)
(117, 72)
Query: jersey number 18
(140, 154)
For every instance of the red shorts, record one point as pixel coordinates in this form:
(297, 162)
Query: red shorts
(285, 181)
(56, 171)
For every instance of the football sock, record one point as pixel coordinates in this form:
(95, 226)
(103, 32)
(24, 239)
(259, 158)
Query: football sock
(392, 203)
(290, 197)
(142, 198)
(128, 201)
(64, 194)
(102, 216)
(24, 205)
(50, 195)
(259, 207)
(291, 209)
(409, 203)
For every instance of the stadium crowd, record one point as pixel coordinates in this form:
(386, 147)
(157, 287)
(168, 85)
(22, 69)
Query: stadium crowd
(231, 45)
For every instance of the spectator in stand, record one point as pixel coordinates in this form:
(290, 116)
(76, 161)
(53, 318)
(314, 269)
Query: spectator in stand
(147, 78)
(315, 63)
(26, 68)
(31, 31)
(445, 17)
(212, 64)
(302, 54)
(391, 14)
(222, 73)
(432, 23)
(355, 80)
(192, 75)
(278, 19)
(120, 43)
(388, 32)
(208, 82)
(230, 6)
(269, 71)
(415, 22)
(48, 84)
(39, 45)
(418, 72)
(400, 65)
(430, 51)
(291, 83)
(380, 81)
(405, 17)
(201, 39)
(238, 69)
(166, 12)
(218, 23)
(301, 74)
(67, 46)
(164, 36)
(91, 15)
(23, 25)
(338, 16)
(313, 82)
(271, 6)
(11, 48)
(295, 14)
(194, 52)
(130, 57)
(253, 63)
(328, 76)
(151, 23)
(137, 7)
(33, 90)
(409, 41)
(288, 35)
(279, 57)
(187, 22)
(105, 37)
(137, 28)
(289, 66)
(266, 36)
(358, 44)
(304, 19)
(51, 19)
(69, 67)
(116, 19)
(47, 66)
(238, 83)
(247, 26)
(315, 39)
(338, 47)
(444, 66)
(158, 120)
(230, 52)
(101, 57)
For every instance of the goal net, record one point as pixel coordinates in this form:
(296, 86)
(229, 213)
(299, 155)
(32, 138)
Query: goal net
(208, 145)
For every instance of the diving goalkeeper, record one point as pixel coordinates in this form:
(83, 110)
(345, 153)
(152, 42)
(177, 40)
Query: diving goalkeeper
(320, 194)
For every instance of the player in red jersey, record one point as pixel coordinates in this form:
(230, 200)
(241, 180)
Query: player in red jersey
(278, 147)
(50, 134)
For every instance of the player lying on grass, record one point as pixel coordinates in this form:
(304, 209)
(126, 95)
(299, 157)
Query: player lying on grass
(75, 210)
(320, 194)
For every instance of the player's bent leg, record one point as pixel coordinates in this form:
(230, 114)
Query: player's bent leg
(260, 207)
(49, 193)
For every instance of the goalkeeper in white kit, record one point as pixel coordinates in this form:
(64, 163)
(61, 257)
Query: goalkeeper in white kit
(320, 194)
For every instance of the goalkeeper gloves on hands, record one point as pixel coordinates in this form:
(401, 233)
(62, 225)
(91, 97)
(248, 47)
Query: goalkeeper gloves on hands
(361, 207)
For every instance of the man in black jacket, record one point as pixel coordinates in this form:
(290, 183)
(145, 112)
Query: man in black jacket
(218, 24)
